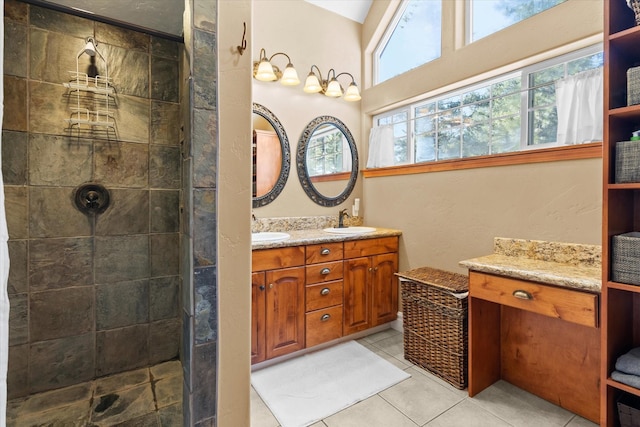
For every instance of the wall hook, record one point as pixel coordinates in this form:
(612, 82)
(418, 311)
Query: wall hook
(243, 44)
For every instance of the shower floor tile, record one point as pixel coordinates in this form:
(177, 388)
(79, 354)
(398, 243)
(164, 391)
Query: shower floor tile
(145, 397)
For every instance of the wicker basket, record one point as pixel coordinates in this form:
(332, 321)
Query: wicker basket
(628, 411)
(635, 6)
(633, 86)
(627, 161)
(434, 312)
(625, 254)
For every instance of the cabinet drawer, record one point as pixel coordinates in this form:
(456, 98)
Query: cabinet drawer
(566, 304)
(322, 295)
(270, 259)
(324, 272)
(324, 325)
(358, 248)
(324, 252)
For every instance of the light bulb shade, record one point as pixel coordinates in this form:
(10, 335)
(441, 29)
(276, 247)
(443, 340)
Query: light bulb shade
(90, 48)
(333, 89)
(352, 93)
(265, 72)
(290, 76)
(312, 84)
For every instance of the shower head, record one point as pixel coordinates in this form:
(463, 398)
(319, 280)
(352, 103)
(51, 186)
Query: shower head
(90, 47)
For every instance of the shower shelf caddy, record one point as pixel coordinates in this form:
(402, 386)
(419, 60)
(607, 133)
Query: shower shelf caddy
(81, 84)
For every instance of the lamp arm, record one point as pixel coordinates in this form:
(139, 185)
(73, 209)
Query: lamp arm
(348, 74)
(280, 53)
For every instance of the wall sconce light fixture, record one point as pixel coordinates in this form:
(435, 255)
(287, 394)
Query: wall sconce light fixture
(330, 86)
(265, 71)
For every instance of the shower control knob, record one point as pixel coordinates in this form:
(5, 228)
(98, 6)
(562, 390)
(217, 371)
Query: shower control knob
(91, 199)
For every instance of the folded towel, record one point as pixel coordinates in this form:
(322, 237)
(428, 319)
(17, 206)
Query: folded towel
(632, 380)
(629, 363)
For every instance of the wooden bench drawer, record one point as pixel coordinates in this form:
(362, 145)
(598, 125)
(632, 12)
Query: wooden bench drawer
(324, 272)
(323, 325)
(323, 295)
(324, 252)
(566, 304)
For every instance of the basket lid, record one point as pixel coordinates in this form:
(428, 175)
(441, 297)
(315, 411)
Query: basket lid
(452, 282)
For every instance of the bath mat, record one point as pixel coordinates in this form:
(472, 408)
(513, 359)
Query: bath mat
(304, 390)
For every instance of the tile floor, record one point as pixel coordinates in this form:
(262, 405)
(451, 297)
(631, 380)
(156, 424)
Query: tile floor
(425, 400)
(148, 397)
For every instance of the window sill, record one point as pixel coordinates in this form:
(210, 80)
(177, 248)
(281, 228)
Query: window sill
(555, 154)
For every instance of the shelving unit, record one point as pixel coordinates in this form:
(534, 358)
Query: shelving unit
(620, 309)
(92, 110)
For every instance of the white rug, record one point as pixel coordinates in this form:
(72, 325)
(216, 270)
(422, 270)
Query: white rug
(304, 390)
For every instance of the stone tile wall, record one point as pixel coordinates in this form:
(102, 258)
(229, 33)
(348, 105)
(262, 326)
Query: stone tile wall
(89, 296)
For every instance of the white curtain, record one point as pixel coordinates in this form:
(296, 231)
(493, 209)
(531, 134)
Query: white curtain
(579, 100)
(380, 147)
(4, 262)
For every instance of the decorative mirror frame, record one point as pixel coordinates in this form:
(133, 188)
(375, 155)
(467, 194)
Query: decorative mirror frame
(286, 156)
(301, 162)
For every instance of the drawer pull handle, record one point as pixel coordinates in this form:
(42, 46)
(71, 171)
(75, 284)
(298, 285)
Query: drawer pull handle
(325, 291)
(325, 271)
(262, 287)
(519, 293)
(325, 251)
(325, 317)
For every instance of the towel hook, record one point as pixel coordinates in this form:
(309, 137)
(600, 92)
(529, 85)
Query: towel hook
(243, 43)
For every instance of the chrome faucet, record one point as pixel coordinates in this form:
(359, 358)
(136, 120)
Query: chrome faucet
(341, 215)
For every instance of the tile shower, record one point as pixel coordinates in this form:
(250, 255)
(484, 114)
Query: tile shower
(89, 296)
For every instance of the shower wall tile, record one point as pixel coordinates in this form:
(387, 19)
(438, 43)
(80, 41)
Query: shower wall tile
(132, 118)
(186, 272)
(18, 371)
(16, 11)
(47, 48)
(121, 258)
(164, 167)
(15, 104)
(121, 350)
(186, 350)
(205, 148)
(165, 123)
(17, 282)
(128, 213)
(164, 85)
(165, 254)
(15, 46)
(122, 37)
(122, 304)
(60, 263)
(18, 319)
(164, 294)
(49, 106)
(52, 20)
(206, 319)
(204, 221)
(205, 14)
(61, 362)
(14, 157)
(122, 164)
(204, 394)
(165, 48)
(165, 211)
(60, 313)
(16, 210)
(54, 214)
(164, 340)
(129, 70)
(205, 70)
(61, 160)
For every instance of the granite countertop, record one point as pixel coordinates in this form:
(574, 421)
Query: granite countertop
(567, 265)
(314, 236)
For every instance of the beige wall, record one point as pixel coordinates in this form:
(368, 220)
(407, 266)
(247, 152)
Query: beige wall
(309, 35)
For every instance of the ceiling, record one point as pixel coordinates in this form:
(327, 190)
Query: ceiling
(165, 16)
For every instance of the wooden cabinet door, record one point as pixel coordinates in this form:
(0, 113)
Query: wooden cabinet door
(258, 309)
(284, 311)
(357, 295)
(384, 288)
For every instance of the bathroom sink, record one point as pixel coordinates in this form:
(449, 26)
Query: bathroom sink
(269, 236)
(350, 230)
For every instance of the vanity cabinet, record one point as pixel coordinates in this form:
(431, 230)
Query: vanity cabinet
(370, 286)
(278, 302)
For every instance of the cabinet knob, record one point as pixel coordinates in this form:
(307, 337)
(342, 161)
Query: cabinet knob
(325, 271)
(325, 317)
(325, 291)
(519, 293)
(370, 269)
(325, 251)
(262, 287)
(270, 285)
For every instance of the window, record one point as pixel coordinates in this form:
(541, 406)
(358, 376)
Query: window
(413, 38)
(489, 16)
(325, 152)
(514, 112)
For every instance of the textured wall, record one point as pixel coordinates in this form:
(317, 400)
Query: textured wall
(89, 297)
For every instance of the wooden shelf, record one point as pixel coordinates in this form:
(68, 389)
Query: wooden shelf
(630, 112)
(623, 387)
(625, 186)
(623, 287)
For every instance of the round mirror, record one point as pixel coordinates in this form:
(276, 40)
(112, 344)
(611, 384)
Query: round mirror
(271, 157)
(327, 161)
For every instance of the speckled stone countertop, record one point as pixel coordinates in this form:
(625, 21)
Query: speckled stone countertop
(314, 236)
(568, 265)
